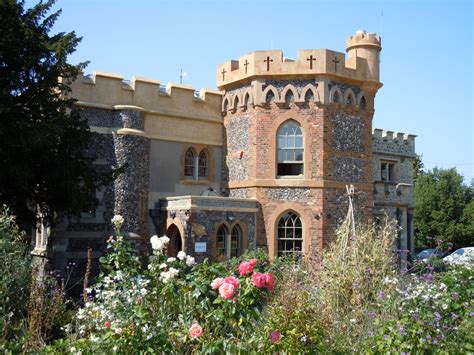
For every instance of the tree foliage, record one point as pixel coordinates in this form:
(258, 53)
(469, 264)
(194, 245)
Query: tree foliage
(43, 140)
(444, 208)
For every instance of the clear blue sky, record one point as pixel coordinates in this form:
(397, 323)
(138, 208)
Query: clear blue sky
(426, 65)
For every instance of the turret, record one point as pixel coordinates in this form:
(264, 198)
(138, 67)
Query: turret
(368, 46)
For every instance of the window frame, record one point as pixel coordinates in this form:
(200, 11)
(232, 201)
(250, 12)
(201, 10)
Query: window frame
(388, 174)
(295, 229)
(225, 235)
(290, 147)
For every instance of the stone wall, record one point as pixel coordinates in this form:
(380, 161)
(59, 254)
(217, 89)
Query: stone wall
(126, 196)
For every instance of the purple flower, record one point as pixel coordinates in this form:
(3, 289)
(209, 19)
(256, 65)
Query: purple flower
(414, 316)
(455, 295)
(382, 294)
(386, 336)
(419, 332)
(454, 315)
(428, 337)
(355, 285)
(437, 316)
(471, 314)
(353, 238)
(371, 315)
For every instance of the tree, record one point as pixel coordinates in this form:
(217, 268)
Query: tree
(44, 161)
(443, 208)
(418, 167)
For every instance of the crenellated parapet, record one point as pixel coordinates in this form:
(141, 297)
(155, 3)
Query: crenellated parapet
(110, 91)
(390, 142)
(362, 63)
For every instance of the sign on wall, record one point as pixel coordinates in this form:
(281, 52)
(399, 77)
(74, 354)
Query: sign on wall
(200, 247)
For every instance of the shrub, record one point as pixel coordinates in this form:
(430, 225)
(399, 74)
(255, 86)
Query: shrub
(432, 313)
(171, 306)
(14, 278)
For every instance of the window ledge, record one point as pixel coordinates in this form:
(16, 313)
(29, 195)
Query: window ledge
(194, 182)
(291, 177)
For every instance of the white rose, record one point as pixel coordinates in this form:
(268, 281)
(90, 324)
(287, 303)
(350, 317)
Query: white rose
(181, 255)
(173, 272)
(117, 219)
(165, 239)
(190, 261)
(170, 260)
(163, 266)
(156, 243)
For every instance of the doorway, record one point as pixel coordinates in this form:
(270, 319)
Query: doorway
(175, 244)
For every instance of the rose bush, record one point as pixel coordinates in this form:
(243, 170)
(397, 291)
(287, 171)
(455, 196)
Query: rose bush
(171, 305)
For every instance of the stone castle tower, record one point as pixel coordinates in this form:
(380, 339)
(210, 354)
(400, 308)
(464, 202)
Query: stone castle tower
(264, 161)
(297, 132)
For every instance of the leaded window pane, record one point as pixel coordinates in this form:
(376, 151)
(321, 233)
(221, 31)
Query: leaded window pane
(189, 163)
(202, 171)
(290, 234)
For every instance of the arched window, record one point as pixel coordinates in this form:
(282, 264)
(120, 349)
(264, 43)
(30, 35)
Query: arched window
(290, 149)
(235, 241)
(290, 234)
(228, 245)
(362, 102)
(336, 97)
(203, 165)
(196, 167)
(221, 250)
(189, 161)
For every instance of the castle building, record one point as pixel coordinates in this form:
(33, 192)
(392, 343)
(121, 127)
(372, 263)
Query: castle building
(262, 161)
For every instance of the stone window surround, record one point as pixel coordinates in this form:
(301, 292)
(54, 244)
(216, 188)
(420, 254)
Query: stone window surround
(228, 240)
(273, 151)
(197, 148)
(392, 174)
(285, 147)
(286, 228)
(272, 227)
(244, 242)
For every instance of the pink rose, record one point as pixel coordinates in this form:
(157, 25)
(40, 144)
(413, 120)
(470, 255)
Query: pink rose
(118, 331)
(227, 291)
(232, 280)
(245, 268)
(107, 324)
(269, 281)
(253, 262)
(259, 279)
(195, 331)
(217, 283)
(275, 336)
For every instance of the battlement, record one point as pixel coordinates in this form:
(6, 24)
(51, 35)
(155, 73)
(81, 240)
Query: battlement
(393, 142)
(361, 65)
(107, 90)
(364, 39)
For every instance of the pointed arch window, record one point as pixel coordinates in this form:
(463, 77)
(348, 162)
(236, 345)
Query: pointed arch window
(203, 165)
(189, 160)
(228, 245)
(290, 234)
(290, 149)
(235, 241)
(221, 249)
(196, 166)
